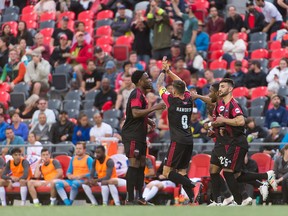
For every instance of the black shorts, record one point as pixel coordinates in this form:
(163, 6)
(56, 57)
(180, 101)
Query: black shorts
(135, 149)
(229, 157)
(178, 156)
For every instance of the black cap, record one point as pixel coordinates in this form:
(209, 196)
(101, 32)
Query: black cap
(249, 3)
(65, 18)
(121, 6)
(98, 49)
(63, 112)
(136, 76)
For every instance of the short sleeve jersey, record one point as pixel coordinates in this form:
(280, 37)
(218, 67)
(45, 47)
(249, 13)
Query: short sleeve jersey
(135, 128)
(179, 115)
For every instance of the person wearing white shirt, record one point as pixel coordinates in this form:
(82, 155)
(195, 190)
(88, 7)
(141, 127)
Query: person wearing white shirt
(278, 76)
(34, 149)
(101, 129)
(234, 48)
(273, 18)
(43, 107)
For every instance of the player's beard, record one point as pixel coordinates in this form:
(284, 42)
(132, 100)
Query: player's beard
(224, 94)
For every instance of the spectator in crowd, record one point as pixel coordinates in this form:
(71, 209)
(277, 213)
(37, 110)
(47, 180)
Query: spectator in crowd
(42, 128)
(254, 19)
(62, 130)
(157, 19)
(196, 126)
(236, 74)
(43, 108)
(124, 93)
(234, 48)
(121, 24)
(271, 91)
(86, 4)
(110, 73)
(4, 52)
(45, 6)
(40, 47)
(81, 131)
(101, 129)
(273, 19)
(27, 110)
(200, 105)
(23, 33)
(219, 4)
(274, 137)
(3, 126)
(202, 39)
(133, 58)
(175, 52)
(163, 124)
(281, 172)
(154, 74)
(5, 114)
(19, 3)
(209, 76)
(234, 20)
(141, 42)
(19, 128)
(55, 39)
(282, 6)
(106, 97)
(190, 33)
(80, 26)
(6, 32)
(101, 59)
(215, 23)
(180, 71)
(255, 77)
(22, 48)
(254, 131)
(119, 79)
(277, 114)
(194, 61)
(279, 75)
(177, 30)
(14, 71)
(11, 139)
(61, 52)
(37, 73)
(91, 79)
(33, 150)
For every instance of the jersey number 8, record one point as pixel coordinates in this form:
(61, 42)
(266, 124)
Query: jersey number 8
(184, 121)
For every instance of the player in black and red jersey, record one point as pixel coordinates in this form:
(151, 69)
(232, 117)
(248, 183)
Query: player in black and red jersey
(180, 105)
(134, 134)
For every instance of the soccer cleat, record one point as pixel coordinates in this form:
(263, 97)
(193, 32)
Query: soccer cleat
(233, 203)
(264, 190)
(212, 204)
(247, 202)
(37, 204)
(197, 192)
(227, 201)
(130, 203)
(272, 180)
(142, 201)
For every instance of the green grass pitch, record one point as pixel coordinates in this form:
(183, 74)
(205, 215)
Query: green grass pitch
(144, 211)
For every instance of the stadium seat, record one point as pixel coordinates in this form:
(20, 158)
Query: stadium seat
(141, 5)
(65, 148)
(55, 104)
(88, 23)
(218, 64)
(259, 53)
(47, 32)
(264, 63)
(103, 22)
(216, 46)
(31, 24)
(106, 48)
(274, 63)
(91, 95)
(256, 111)
(90, 112)
(29, 17)
(104, 31)
(243, 36)
(273, 36)
(64, 68)
(47, 40)
(5, 98)
(47, 24)
(280, 53)
(242, 101)
(245, 65)
(116, 114)
(105, 14)
(5, 87)
(221, 36)
(124, 40)
(46, 16)
(85, 15)
(60, 82)
(73, 95)
(240, 91)
(114, 123)
(22, 87)
(71, 104)
(73, 113)
(104, 40)
(258, 36)
(219, 73)
(201, 4)
(69, 14)
(254, 45)
(201, 82)
(258, 92)
(259, 101)
(283, 91)
(153, 160)
(71, 24)
(259, 120)
(11, 9)
(64, 161)
(216, 55)
(28, 9)
(121, 52)
(88, 104)
(10, 17)
(17, 99)
(263, 161)
(274, 45)
(199, 166)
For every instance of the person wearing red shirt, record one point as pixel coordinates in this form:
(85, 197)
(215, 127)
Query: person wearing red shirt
(254, 19)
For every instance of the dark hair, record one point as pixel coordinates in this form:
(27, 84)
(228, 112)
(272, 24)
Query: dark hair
(15, 150)
(82, 143)
(77, 24)
(231, 33)
(13, 112)
(6, 40)
(24, 30)
(33, 134)
(216, 86)
(284, 59)
(126, 63)
(44, 150)
(257, 63)
(81, 115)
(229, 81)
(249, 119)
(168, 85)
(9, 128)
(179, 86)
(101, 147)
(132, 52)
(89, 60)
(3, 107)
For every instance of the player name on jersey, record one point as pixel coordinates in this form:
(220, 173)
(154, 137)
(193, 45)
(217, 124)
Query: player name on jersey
(183, 109)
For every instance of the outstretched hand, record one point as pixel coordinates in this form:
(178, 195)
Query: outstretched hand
(165, 64)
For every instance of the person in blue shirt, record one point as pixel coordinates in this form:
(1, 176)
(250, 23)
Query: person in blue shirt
(200, 105)
(11, 139)
(276, 114)
(78, 171)
(20, 129)
(202, 39)
(3, 126)
(81, 130)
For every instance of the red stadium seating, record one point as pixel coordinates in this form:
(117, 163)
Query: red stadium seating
(241, 92)
(275, 63)
(70, 25)
(263, 161)
(28, 9)
(106, 14)
(153, 160)
(29, 16)
(258, 92)
(159, 64)
(47, 16)
(5, 98)
(243, 36)
(47, 32)
(104, 40)
(279, 53)
(69, 14)
(64, 161)
(216, 55)
(274, 45)
(259, 53)
(85, 15)
(5, 87)
(218, 37)
(13, 25)
(31, 24)
(201, 4)
(201, 82)
(124, 40)
(272, 36)
(216, 46)
(199, 166)
(218, 64)
(47, 40)
(204, 64)
(104, 31)
(121, 52)
(87, 23)
(106, 48)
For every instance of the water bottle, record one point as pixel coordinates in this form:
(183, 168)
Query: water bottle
(74, 77)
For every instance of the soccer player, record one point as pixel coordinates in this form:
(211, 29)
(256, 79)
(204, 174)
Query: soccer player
(154, 186)
(134, 134)
(78, 171)
(179, 106)
(103, 167)
(50, 170)
(16, 174)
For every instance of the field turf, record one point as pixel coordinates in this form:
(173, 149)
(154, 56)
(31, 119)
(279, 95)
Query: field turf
(144, 211)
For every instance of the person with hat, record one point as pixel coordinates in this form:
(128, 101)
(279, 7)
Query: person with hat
(121, 24)
(62, 130)
(256, 76)
(277, 114)
(236, 74)
(271, 91)
(134, 134)
(177, 30)
(60, 53)
(234, 20)
(190, 24)
(80, 26)
(215, 23)
(101, 58)
(58, 32)
(254, 20)
(202, 39)
(110, 73)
